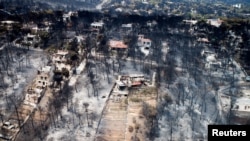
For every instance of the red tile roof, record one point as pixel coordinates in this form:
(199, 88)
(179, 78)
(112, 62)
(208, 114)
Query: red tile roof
(136, 83)
(117, 44)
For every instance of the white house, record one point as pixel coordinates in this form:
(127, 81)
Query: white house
(43, 77)
(66, 16)
(144, 44)
(214, 22)
(31, 39)
(97, 25)
(60, 58)
(239, 5)
(127, 27)
(8, 24)
(143, 41)
(211, 61)
(242, 107)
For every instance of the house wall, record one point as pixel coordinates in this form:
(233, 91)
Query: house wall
(143, 41)
(42, 80)
(241, 113)
(59, 57)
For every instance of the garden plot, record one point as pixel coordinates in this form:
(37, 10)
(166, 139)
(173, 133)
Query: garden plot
(113, 122)
(139, 102)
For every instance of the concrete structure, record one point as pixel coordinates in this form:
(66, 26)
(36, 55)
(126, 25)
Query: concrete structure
(31, 39)
(38, 87)
(8, 24)
(245, 93)
(60, 58)
(43, 77)
(97, 25)
(214, 22)
(131, 80)
(211, 61)
(143, 42)
(239, 5)
(242, 107)
(121, 111)
(33, 95)
(8, 129)
(120, 88)
(123, 82)
(29, 25)
(127, 27)
(67, 16)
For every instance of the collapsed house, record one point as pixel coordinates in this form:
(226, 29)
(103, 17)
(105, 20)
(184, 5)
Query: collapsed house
(35, 92)
(124, 82)
(242, 107)
(211, 61)
(60, 59)
(8, 129)
(33, 96)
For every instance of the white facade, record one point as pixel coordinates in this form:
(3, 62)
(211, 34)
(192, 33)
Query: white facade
(33, 96)
(97, 25)
(214, 22)
(42, 78)
(59, 59)
(242, 107)
(60, 56)
(31, 39)
(143, 42)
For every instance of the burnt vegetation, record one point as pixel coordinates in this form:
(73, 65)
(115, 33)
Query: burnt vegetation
(183, 59)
